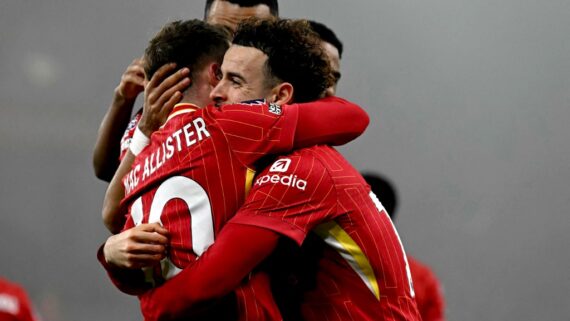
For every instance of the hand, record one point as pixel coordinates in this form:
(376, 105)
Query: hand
(142, 246)
(160, 96)
(132, 81)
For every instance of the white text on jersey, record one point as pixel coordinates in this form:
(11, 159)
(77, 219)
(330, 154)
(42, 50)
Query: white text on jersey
(290, 180)
(185, 137)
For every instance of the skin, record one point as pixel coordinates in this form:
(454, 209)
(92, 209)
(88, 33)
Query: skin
(146, 243)
(106, 150)
(230, 14)
(107, 145)
(334, 58)
(244, 78)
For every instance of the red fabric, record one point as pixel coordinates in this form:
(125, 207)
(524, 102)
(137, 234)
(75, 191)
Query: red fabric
(315, 119)
(309, 187)
(330, 120)
(333, 192)
(429, 295)
(14, 303)
(195, 171)
(218, 271)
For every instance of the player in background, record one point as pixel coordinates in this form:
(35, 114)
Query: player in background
(310, 195)
(195, 173)
(14, 303)
(333, 48)
(115, 131)
(429, 293)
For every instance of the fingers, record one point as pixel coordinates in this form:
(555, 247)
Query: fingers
(132, 80)
(149, 233)
(174, 85)
(160, 74)
(160, 89)
(139, 246)
(145, 249)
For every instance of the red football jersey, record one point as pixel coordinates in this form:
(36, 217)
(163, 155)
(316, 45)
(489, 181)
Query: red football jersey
(429, 294)
(196, 172)
(199, 167)
(362, 272)
(14, 303)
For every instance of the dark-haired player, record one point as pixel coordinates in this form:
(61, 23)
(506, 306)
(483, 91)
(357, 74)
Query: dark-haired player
(197, 169)
(429, 294)
(112, 139)
(361, 272)
(333, 48)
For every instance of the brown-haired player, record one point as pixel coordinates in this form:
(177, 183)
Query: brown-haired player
(312, 196)
(198, 166)
(116, 131)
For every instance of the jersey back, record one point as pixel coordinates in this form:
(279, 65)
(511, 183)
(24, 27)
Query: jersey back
(197, 170)
(361, 270)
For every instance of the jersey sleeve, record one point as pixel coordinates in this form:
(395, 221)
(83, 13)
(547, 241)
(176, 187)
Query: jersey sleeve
(128, 134)
(257, 128)
(331, 121)
(240, 247)
(127, 281)
(291, 197)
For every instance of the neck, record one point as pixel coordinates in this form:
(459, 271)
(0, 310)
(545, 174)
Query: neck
(195, 96)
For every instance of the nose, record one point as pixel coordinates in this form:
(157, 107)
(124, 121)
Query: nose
(218, 94)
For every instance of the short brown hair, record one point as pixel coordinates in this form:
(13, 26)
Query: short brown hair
(294, 54)
(190, 43)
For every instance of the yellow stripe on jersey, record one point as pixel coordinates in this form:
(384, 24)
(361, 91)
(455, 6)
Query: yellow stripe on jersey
(180, 109)
(249, 175)
(339, 240)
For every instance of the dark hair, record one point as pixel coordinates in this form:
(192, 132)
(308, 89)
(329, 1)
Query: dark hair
(294, 54)
(190, 43)
(327, 35)
(385, 192)
(272, 4)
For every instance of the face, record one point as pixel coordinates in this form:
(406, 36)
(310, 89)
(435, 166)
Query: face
(243, 76)
(230, 14)
(334, 58)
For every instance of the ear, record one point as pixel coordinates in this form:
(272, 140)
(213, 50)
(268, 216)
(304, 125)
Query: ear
(213, 74)
(282, 94)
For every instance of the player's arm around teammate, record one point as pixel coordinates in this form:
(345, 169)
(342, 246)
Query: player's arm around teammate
(163, 91)
(106, 150)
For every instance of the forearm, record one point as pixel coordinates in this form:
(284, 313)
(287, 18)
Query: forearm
(236, 252)
(330, 120)
(113, 212)
(107, 146)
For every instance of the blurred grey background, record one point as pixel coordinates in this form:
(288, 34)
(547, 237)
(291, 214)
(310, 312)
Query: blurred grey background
(469, 102)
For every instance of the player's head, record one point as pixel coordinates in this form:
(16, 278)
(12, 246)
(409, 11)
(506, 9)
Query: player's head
(279, 60)
(229, 13)
(191, 43)
(385, 192)
(333, 48)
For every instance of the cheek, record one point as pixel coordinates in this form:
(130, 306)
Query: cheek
(234, 95)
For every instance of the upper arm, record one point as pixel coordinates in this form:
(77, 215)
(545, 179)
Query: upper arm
(331, 120)
(256, 130)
